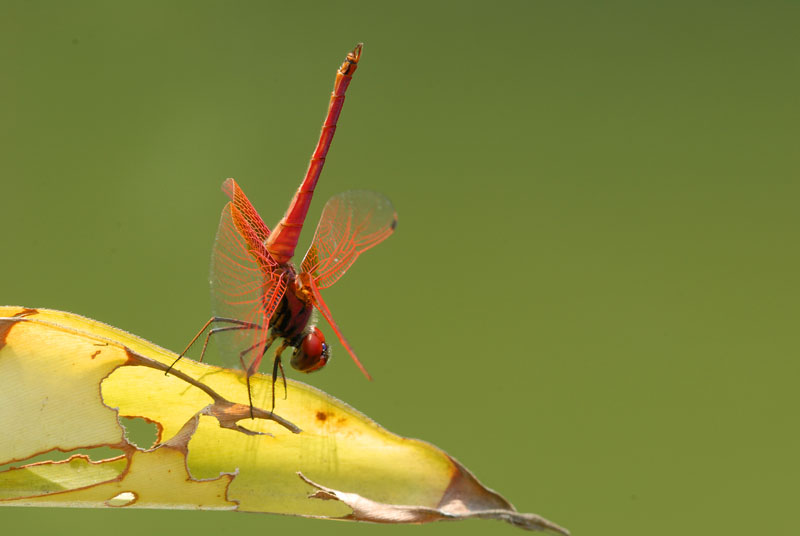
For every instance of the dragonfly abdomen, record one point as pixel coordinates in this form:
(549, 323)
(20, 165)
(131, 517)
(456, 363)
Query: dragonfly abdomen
(283, 240)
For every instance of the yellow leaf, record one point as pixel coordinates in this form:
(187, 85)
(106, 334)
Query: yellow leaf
(65, 381)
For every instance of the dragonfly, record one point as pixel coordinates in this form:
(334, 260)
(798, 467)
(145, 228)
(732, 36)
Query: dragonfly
(259, 296)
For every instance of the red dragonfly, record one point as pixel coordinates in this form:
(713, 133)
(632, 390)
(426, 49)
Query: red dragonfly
(258, 293)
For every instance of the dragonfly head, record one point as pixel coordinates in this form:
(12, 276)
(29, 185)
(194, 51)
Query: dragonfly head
(312, 353)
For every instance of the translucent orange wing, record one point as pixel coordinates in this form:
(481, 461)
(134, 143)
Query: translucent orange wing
(246, 283)
(249, 216)
(319, 303)
(351, 223)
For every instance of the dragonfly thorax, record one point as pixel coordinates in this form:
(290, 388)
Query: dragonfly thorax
(292, 315)
(291, 321)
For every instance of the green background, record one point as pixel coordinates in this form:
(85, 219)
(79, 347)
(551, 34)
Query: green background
(591, 298)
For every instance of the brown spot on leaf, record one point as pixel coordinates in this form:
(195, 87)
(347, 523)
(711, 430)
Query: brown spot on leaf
(322, 416)
(98, 351)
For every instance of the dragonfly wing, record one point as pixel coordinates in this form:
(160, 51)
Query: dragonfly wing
(319, 303)
(351, 223)
(246, 283)
(246, 210)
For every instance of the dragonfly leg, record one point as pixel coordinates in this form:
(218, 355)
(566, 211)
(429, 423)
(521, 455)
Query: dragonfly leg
(257, 361)
(239, 324)
(283, 377)
(249, 392)
(249, 371)
(220, 330)
(276, 364)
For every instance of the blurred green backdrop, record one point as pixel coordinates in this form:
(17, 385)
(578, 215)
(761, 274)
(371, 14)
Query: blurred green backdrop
(591, 298)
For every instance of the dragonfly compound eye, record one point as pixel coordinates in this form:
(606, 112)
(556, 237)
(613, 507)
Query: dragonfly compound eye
(312, 353)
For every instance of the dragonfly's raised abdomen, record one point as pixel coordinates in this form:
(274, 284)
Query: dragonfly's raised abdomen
(283, 240)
